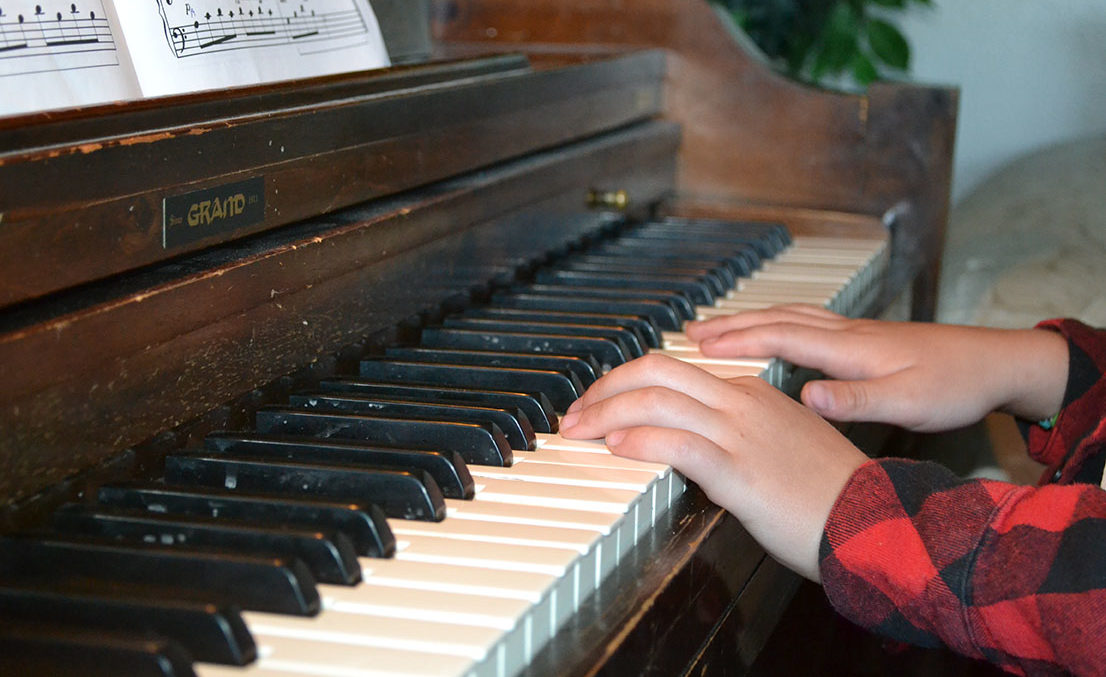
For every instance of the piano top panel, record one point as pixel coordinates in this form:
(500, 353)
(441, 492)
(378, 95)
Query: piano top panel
(83, 194)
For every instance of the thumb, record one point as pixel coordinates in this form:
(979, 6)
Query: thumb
(845, 400)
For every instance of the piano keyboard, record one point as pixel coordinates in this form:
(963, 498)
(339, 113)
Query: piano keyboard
(422, 517)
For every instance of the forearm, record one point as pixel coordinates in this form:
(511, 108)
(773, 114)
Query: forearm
(1011, 574)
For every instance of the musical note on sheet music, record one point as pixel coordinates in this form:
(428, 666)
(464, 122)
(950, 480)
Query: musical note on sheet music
(43, 36)
(200, 27)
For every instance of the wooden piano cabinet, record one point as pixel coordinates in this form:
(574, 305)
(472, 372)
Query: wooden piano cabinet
(750, 135)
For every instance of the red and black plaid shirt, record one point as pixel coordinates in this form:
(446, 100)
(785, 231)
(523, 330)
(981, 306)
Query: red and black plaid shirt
(1013, 575)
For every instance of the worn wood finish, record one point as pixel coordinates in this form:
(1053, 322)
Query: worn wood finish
(84, 200)
(97, 371)
(751, 135)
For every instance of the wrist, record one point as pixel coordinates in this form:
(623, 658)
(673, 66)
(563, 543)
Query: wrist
(1036, 368)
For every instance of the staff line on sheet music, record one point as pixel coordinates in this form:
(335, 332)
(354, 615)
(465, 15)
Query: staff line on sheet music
(26, 39)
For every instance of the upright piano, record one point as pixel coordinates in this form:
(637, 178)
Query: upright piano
(225, 316)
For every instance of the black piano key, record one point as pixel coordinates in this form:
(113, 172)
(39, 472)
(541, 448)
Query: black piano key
(209, 632)
(605, 350)
(329, 556)
(477, 443)
(623, 340)
(751, 250)
(697, 291)
(363, 523)
(680, 304)
(276, 584)
(403, 494)
(584, 369)
(762, 240)
(446, 467)
(775, 235)
(741, 261)
(644, 331)
(33, 649)
(717, 278)
(660, 313)
(517, 430)
(536, 408)
(557, 387)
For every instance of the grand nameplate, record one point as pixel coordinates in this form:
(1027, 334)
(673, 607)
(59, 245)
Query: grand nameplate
(194, 216)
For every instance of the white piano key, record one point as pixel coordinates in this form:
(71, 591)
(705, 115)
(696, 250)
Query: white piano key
(526, 607)
(555, 441)
(557, 456)
(430, 635)
(577, 498)
(578, 476)
(289, 656)
(500, 556)
(538, 516)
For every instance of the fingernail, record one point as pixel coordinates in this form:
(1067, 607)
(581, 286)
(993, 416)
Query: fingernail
(819, 397)
(575, 406)
(615, 438)
(569, 419)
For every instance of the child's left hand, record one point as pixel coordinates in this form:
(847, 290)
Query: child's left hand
(773, 463)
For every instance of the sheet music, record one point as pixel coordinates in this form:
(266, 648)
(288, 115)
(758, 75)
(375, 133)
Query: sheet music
(56, 54)
(206, 44)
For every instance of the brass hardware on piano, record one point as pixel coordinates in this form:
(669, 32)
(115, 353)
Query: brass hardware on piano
(321, 436)
(618, 200)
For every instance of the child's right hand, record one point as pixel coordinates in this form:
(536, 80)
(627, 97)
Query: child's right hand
(925, 377)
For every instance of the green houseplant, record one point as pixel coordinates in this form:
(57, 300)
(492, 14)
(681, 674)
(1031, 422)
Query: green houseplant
(824, 40)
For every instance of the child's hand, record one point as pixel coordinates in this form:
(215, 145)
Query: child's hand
(773, 463)
(921, 376)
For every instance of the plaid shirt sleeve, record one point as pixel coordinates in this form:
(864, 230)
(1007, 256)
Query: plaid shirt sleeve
(1013, 575)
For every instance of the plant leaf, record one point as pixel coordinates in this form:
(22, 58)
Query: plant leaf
(888, 44)
(892, 3)
(864, 71)
(839, 44)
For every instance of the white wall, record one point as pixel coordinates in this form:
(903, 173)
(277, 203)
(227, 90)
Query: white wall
(1031, 73)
